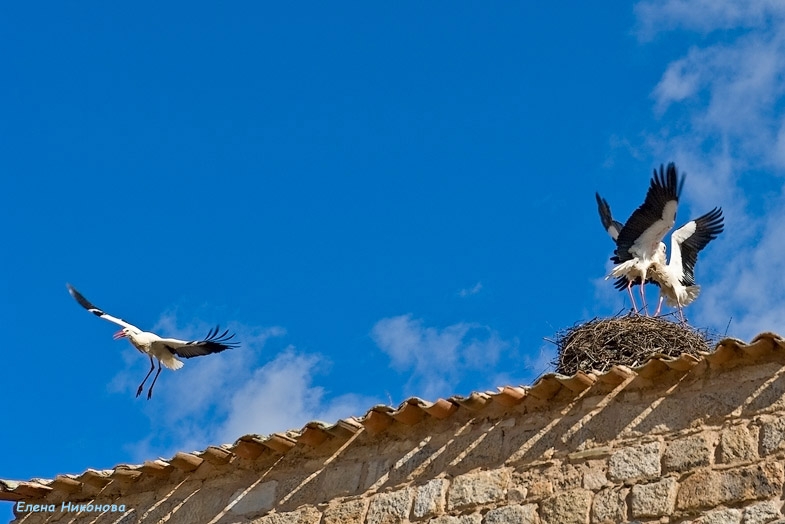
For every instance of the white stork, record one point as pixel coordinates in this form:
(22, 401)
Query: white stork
(165, 350)
(677, 279)
(639, 241)
(613, 227)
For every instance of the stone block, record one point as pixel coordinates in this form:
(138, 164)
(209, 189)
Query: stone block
(761, 512)
(540, 489)
(479, 487)
(655, 499)
(642, 461)
(737, 444)
(772, 435)
(610, 505)
(474, 518)
(518, 514)
(195, 509)
(349, 512)
(687, 453)
(429, 499)
(341, 479)
(707, 489)
(304, 515)
(565, 477)
(375, 470)
(486, 448)
(721, 516)
(260, 498)
(517, 494)
(390, 508)
(571, 507)
(594, 479)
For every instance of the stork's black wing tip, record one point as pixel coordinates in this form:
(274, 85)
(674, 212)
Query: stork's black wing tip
(222, 340)
(74, 293)
(79, 298)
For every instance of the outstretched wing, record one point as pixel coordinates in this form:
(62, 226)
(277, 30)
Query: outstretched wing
(97, 311)
(647, 226)
(692, 237)
(613, 227)
(212, 343)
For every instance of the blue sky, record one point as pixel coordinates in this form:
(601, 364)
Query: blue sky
(382, 201)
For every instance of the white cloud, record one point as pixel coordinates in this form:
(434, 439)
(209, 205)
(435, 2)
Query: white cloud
(721, 107)
(218, 398)
(703, 16)
(680, 81)
(779, 147)
(438, 359)
(730, 95)
(465, 292)
(280, 395)
(541, 363)
(750, 287)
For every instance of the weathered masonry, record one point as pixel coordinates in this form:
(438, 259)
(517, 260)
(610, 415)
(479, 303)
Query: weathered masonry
(676, 440)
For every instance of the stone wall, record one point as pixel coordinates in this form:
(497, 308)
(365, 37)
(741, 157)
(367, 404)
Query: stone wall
(702, 444)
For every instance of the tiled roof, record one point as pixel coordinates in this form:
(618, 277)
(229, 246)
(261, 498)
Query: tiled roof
(549, 390)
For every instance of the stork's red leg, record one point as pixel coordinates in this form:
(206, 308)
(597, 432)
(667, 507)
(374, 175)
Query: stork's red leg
(150, 391)
(643, 297)
(632, 297)
(141, 386)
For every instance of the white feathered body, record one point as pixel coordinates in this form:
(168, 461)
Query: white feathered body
(152, 344)
(638, 267)
(675, 293)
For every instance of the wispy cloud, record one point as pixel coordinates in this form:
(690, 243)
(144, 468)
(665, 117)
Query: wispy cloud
(465, 292)
(721, 110)
(541, 363)
(703, 16)
(281, 395)
(438, 359)
(218, 398)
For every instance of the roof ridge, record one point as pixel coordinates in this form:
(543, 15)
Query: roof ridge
(546, 389)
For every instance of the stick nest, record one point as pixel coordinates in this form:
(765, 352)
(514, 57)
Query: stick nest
(630, 340)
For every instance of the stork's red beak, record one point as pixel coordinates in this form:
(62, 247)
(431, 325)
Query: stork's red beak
(120, 334)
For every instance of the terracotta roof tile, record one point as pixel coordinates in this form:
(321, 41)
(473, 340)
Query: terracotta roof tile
(97, 479)
(157, 468)
(250, 446)
(549, 389)
(66, 483)
(217, 455)
(186, 461)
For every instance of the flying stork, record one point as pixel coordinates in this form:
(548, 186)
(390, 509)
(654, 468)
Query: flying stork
(613, 227)
(677, 278)
(165, 350)
(639, 241)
